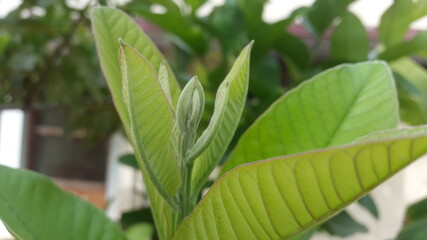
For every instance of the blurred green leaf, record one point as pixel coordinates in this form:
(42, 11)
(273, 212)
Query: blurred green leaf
(412, 84)
(411, 47)
(195, 4)
(323, 12)
(4, 40)
(172, 20)
(140, 231)
(343, 225)
(416, 227)
(293, 48)
(136, 216)
(227, 24)
(396, 20)
(417, 210)
(368, 203)
(129, 160)
(33, 207)
(416, 230)
(349, 41)
(267, 35)
(252, 10)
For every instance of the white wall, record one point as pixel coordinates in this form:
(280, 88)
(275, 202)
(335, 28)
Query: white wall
(11, 133)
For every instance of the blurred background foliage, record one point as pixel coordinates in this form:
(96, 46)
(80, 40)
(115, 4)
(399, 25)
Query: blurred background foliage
(49, 60)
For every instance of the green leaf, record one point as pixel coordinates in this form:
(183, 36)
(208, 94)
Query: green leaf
(414, 230)
(4, 40)
(108, 26)
(284, 197)
(343, 225)
(417, 210)
(413, 90)
(33, 207)
(293, 48)
(129, 160)
(323, 12)
(237, 78)
(368, 203)
(214, 125)
(133, 217)
(189, 111)
(350, 41)
(151, 121)
(195, 4)
(164, 81)
(227, 24)
(173, 20)
(396, 20)
(252, 11)
(333, 108)
(140, 231)
(411, 47)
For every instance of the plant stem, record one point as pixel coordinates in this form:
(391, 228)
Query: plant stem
(186, 203)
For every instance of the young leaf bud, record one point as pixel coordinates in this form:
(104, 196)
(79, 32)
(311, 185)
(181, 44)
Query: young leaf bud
(189, 112)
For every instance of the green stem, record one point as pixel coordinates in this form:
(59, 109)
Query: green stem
(186, 204)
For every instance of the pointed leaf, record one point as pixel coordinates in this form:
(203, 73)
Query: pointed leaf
(333, 108)
(151, 121)
(284, 197)
(108, 26)
(33, 207)
(212, 130)
(343, 225)
(368, 203)
(237, 78)
(189, 111)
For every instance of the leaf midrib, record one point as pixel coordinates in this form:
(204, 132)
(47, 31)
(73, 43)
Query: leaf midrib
(346, 113)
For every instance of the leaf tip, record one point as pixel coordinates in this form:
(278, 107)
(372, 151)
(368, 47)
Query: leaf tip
(120, 41)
